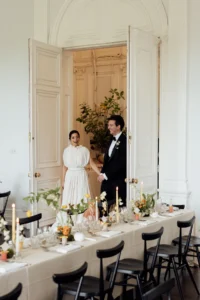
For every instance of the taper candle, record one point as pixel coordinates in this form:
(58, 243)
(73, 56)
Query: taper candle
(96, 209)
(13, 222)
(17, 237)
(141, 190)
(117, 204)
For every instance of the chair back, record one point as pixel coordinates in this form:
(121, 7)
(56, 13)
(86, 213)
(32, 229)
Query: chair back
(180, 206)
(6, 196)
(184, 224)
(14, 294)
(106, 253)
(163, 288)
(31, 219)
(67, 278)
(150, 237)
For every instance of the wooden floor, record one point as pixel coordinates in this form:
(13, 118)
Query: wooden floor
(189, 291)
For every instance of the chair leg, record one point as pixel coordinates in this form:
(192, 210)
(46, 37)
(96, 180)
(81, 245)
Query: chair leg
(198, 255)
(168, 269)
(169, 296)
(139, 286)
(59, 294)
(191, 276)
(108, 274)
(177, 279)
(124, 285)
(159, 270)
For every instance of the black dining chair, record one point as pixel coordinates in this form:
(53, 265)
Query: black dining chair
(161, 289)
(180, 206)
(141, 270)
(31, 219)
(193, 250)
(176, 256)
(64, 279)
(14, 294)
(4, 197)
(98, 287)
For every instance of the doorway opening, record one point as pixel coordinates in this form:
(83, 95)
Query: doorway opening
(95, 72)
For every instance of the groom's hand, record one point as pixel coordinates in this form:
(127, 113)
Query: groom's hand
(100, 178)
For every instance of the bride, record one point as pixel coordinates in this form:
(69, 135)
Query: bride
(75, 179)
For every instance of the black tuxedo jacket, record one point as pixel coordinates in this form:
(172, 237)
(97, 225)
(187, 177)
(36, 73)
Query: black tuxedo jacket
(115, 166)
(115, 169)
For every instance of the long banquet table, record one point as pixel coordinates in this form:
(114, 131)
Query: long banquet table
(36, 277)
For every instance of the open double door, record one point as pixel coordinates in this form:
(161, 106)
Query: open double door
(51, 112)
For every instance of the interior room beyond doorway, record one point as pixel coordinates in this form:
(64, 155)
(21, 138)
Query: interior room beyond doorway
(95, 73)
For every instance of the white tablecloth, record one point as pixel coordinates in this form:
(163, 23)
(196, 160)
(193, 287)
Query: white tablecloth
(36, 277)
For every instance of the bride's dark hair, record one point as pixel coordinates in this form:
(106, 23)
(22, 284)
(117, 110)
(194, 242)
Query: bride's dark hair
(72, 132)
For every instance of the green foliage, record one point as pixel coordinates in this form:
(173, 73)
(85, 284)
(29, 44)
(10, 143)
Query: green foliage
(72, 209)
(51, 197)
(150, 201)
(96, 120)
(146, 204)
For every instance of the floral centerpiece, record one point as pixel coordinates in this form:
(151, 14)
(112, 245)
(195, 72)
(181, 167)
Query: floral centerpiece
(144, 205)
(4, 230)
(111, 215)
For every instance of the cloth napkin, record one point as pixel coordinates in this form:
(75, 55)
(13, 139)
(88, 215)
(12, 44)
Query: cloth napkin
(10, 266)
(108, 234)
(146, 222)
(175, 213)
(65, 249)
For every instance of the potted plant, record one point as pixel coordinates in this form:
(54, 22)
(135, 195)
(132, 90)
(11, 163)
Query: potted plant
(95, 120)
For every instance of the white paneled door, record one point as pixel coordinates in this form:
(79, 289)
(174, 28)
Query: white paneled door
(142, 110)
(45, 121)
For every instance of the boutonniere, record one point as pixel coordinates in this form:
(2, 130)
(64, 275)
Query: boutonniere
(117, 145)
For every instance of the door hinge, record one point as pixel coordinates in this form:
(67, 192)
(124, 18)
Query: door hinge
(129, 138)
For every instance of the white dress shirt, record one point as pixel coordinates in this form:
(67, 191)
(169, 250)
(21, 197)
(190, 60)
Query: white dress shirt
(112, 145)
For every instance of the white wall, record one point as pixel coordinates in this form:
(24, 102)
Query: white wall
(16, 26)
(194, 104)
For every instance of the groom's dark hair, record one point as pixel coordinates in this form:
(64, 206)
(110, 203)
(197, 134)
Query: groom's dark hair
(118, 120)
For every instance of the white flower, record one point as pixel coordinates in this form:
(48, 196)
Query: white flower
(5, 222)
(51, 197)
(136, 210)
(112, 213)
(120, 202)
(6, 238)
(1, 225)
(104, 204)
(103, 195)
(104, 219)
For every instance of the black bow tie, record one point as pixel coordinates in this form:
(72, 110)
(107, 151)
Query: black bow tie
(113, 138)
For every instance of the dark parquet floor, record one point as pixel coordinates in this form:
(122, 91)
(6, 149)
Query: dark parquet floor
(189, 291)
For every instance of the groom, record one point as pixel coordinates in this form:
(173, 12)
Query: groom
(113, 173)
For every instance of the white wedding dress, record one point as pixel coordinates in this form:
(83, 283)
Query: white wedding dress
(76, 179)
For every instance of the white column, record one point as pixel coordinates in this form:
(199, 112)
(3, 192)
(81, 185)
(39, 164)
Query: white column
(173, 107)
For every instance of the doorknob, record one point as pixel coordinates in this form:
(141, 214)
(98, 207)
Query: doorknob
(37, 174)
